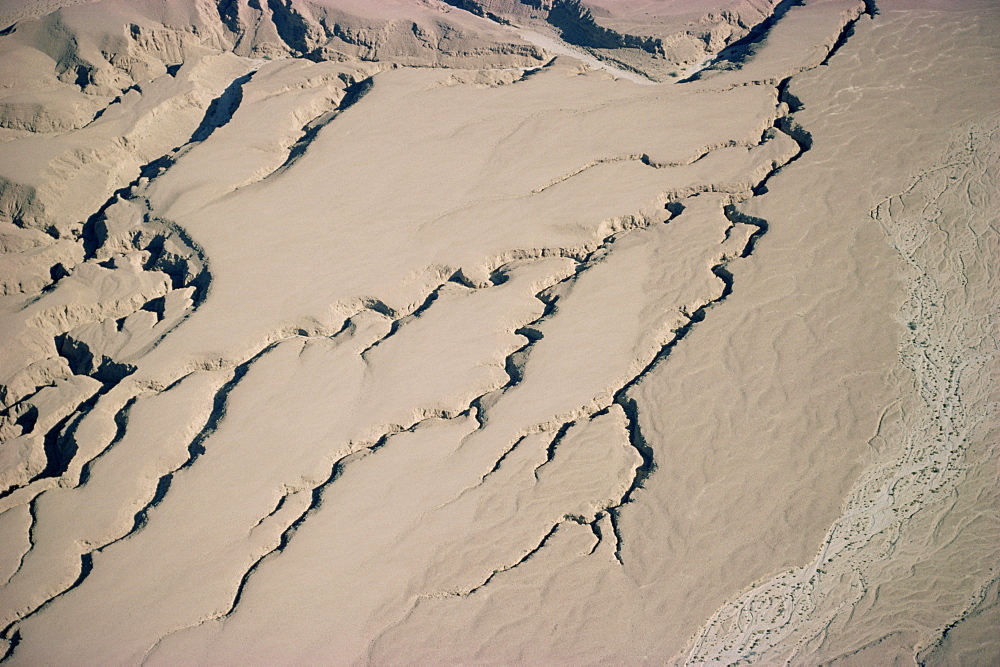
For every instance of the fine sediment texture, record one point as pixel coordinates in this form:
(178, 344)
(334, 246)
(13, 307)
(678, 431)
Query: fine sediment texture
(441, 332)
(928, 447)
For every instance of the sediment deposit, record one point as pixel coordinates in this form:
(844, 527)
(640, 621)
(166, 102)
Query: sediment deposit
(492, 331)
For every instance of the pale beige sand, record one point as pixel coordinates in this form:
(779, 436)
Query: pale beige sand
(372, 332)
(895, 543)
(655, 39)
(12, 11)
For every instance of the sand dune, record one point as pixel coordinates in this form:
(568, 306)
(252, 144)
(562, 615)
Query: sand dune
(493, 331)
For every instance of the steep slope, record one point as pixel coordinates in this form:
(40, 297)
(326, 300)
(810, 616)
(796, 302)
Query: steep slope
(657, 39)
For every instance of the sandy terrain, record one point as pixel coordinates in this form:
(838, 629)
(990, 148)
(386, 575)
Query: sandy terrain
(499, 332)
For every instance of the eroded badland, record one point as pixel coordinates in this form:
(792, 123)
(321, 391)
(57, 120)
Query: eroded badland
(499, 331)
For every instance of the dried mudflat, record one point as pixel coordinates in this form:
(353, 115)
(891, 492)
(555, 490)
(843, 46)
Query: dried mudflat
(375, 332)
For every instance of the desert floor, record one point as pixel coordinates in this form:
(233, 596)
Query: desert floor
(490, 332)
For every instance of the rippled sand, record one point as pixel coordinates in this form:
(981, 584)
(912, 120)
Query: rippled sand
(351, 332)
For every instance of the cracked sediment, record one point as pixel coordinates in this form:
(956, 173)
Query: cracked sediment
(195, 449)
(407, 363)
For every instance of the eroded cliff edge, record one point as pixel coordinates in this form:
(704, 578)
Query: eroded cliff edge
(548, 365)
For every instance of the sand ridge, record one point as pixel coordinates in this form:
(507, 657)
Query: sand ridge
(350, 332)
